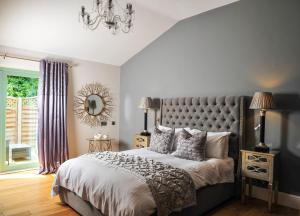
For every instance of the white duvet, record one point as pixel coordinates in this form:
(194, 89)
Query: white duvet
(115, 191)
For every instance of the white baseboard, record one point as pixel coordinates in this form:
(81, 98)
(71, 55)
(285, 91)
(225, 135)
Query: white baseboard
(284, 199)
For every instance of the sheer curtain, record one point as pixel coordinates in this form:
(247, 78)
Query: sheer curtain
(52, 117)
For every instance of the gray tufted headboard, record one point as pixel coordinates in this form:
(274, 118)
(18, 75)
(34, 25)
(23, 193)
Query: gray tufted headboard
(209, 114)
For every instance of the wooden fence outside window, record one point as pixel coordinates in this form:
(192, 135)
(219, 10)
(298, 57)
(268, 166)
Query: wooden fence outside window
(21, 120)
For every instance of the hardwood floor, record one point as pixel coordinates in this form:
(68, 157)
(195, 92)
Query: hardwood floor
(25, 193)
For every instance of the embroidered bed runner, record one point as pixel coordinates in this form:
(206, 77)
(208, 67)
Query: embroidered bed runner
(172, 188)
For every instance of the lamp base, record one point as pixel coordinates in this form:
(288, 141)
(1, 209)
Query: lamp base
(145, 133)
(261, 147)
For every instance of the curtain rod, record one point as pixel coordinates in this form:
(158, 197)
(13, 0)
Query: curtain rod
(23, 58)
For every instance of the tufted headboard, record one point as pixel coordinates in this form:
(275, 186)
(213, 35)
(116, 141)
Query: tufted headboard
(209, 114)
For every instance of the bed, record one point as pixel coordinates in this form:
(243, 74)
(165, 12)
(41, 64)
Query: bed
(204, 113)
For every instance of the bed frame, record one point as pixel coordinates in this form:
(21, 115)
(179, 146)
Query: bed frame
(205, 113)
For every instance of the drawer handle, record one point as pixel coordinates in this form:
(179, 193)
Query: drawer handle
(256, 169)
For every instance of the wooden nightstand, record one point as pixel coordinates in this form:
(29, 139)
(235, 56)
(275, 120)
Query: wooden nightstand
(141, 141)
(261, 166)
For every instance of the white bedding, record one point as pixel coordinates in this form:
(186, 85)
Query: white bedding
(209, 172)
(117, 192)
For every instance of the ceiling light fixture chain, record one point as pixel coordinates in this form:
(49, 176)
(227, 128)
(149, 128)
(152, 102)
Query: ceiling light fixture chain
(104, 12)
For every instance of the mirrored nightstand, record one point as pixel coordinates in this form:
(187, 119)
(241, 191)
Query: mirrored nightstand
(261, 166)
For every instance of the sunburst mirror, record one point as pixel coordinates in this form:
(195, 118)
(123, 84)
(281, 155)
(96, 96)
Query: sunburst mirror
(93, 104)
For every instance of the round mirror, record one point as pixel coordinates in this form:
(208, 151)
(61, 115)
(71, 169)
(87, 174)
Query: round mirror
(93, 105)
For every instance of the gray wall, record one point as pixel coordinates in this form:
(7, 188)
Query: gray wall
(248, 46)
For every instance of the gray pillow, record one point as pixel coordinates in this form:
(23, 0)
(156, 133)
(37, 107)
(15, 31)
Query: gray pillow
(191, 147)
(161, 141)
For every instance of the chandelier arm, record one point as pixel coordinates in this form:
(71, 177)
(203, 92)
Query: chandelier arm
(94, 27)
(98, 16)
(125, 20)
(94, 20)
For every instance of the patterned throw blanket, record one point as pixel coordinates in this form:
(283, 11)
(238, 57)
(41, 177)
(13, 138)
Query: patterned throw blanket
(172, 188)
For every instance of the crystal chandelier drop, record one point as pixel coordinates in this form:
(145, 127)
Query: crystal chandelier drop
(104, 13)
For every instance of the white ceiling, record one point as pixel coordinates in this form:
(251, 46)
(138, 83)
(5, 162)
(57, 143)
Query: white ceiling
(51, 26)
(181, 9)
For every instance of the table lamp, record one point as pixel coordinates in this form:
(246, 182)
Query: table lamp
(145, 104)
(262, 101)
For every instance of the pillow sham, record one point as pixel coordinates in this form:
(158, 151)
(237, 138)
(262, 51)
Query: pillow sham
(217, 143)
(191, 147)
(161, 141)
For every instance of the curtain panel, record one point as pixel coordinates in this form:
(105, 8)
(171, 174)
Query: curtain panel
(52, 118)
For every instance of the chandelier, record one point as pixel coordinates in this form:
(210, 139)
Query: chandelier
(104, 12)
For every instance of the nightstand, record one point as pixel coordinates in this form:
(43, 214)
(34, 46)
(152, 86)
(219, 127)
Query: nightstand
(261, 166)
(141, 141)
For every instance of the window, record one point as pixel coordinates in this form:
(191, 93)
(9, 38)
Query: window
(19, 114)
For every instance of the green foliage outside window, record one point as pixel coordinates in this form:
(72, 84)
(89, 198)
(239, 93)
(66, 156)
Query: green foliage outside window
(22, 86)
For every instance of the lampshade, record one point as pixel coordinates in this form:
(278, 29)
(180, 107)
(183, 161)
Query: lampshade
(145, 103)
(262, 100)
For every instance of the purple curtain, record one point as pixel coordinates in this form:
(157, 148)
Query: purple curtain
(52, 117)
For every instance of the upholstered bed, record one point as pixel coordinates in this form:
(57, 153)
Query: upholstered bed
(203, 113)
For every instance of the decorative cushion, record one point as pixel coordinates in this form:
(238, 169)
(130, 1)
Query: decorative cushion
(191, 147)
(161, 141)
(217, 143)
(175, 137)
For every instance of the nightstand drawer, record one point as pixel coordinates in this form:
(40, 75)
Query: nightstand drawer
(141, 141)
(254, 170)
(258, 158)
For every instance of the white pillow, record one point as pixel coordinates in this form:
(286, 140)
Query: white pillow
(217, 143)
(177, 131)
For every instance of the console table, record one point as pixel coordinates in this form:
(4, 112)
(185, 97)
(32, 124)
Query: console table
(100, 145)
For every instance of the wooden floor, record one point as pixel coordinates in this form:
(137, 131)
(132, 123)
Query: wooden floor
(25, 193)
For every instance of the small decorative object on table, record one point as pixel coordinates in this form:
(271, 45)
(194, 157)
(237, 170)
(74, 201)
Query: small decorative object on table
(145, 104)
(100, 144)
(261, 166)
(262, 101)
(141, 141)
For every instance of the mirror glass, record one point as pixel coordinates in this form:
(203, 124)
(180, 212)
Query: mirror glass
(93, 104)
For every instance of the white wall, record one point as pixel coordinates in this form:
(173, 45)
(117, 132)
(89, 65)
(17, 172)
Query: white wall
(82, 73)
(87, 72)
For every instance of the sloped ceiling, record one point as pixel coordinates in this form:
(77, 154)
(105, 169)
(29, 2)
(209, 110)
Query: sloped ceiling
(52, 26)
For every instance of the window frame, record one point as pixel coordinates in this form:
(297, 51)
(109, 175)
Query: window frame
(4, 72)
